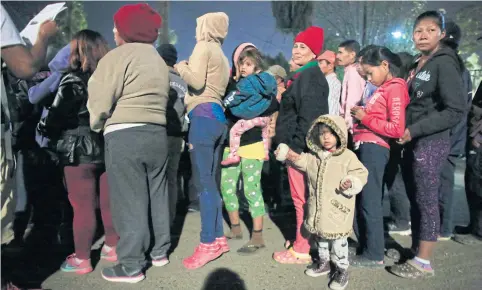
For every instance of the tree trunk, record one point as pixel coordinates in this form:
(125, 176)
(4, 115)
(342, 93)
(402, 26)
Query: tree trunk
(164, 32)
(364, 25)
(70, 6)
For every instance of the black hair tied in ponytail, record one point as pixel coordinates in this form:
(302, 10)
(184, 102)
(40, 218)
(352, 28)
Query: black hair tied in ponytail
(375, 55)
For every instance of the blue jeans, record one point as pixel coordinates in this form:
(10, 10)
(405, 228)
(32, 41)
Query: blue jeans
(206, 140)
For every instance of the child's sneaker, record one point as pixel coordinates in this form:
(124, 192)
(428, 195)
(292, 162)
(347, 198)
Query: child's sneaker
(318, 269)
(339, 280)
(223, 243)
(75, 265)
(160, 261)
(203, 254)
(108, 253)
(231, 160)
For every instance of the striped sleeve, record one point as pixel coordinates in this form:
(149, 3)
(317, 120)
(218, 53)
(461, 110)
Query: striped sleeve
(334, 95)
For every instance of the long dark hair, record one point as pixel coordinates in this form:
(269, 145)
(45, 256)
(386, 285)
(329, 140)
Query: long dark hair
(86, 49)
(407, 62)
(376, 54)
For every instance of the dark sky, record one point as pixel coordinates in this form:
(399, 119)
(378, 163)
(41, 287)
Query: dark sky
(249, 22)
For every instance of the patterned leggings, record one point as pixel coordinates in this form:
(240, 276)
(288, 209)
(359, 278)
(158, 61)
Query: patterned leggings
(428, 160)
(339, 251)
(242, 126)
(251, 171)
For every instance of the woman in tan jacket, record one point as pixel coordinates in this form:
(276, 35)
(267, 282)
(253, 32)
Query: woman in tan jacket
(207, 74)
(334, 176)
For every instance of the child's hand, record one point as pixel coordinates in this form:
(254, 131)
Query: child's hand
(282, 152)
(345, 185)
(405, 138)
(358, 113)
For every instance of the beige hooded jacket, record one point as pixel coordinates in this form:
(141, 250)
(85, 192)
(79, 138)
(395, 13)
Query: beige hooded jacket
(330, 211)
(207, 72)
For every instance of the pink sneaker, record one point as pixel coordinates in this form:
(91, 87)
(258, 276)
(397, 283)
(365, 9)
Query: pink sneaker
(75, 265)
(108, 254)
(231, 160)
(223, 243)
(203, 254)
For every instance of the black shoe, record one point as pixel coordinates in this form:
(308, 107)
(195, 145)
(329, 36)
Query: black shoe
(394, 229)
(339, 279)
(361, 262)
(193, 207)
(470, 239)
(119, 273)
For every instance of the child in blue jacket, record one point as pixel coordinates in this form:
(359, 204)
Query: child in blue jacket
(252, 101)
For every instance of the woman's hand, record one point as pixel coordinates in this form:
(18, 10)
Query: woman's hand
(345, 185)
(182, 62)
(405, 138)
(358, 113)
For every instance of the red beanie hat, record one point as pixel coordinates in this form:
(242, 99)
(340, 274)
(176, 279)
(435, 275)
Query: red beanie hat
(138, 23)
(313, 37)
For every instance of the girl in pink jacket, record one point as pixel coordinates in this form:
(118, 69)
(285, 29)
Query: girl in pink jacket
(381, 119)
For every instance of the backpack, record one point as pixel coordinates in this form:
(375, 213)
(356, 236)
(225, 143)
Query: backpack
(177, 124)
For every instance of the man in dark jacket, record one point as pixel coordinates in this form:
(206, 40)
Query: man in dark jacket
(458, 137)
(177, 125)
(473, 175)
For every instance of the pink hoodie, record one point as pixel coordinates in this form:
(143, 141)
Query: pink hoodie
(351, 93)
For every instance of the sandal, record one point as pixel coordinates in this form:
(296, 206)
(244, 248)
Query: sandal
(410, 270)
(291, 257)
(249, 249)
(232, 236)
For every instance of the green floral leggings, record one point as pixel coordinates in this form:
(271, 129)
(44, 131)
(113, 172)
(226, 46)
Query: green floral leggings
(251, 170)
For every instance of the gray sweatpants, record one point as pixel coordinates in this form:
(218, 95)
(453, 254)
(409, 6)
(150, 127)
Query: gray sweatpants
(339, 251)
(136, 161)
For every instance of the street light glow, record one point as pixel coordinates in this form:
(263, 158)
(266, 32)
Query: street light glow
(396, 34)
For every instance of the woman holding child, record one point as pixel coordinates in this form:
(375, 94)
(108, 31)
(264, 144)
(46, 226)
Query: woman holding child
(250, 101)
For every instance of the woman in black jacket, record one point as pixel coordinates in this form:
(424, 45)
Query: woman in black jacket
(437, 104)
(80, 151)
(305, 99)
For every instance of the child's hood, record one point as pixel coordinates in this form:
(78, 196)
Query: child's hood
(236, 53)
(61, 60)
(337, 124)
(212, 27)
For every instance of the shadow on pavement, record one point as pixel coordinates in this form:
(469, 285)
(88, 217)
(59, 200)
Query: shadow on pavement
(224, 278)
